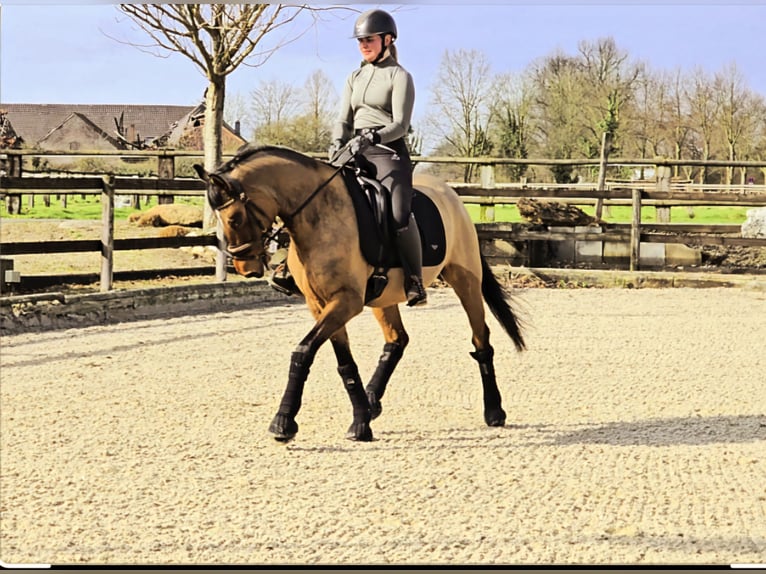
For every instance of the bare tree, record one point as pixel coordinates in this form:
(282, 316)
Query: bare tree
(319, 101)
(217, 38)
(703, 109)
(295, 117)
(609, 78)
(461, 98)
(512, 119)
(679, 120)
(736, 104)
(235, 110)
(560, 92)
(646, 115)
(273, 105)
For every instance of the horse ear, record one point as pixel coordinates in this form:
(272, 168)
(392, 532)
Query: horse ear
(201, 172)
(220, 181)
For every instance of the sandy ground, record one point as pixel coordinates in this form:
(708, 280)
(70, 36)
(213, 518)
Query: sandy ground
(636, 435)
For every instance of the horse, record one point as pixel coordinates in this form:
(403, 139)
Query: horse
(262, 183)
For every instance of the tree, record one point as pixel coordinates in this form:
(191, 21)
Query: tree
(736, 104)
(679, 124)
(319, 102)
(560, 94)
(609, 78)
(461, 98)
(217, 38)
(294, 117)
(235, 110)
(512, 120)
(703, 109)
(273, 104)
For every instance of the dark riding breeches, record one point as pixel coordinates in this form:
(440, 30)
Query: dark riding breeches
(395, 172)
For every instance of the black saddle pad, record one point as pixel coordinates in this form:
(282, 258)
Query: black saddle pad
(375, 227)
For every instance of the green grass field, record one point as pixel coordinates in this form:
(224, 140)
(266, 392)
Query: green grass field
(80, 208)
(89, 207)
(624, 214)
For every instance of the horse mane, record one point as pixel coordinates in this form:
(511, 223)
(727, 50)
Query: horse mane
(248, 150)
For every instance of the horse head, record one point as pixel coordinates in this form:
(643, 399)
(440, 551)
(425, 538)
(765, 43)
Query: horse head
(246, 225)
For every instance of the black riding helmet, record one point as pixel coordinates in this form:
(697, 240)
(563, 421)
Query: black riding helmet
(374, 23)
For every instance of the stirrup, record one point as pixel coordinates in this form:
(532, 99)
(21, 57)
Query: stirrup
(416, 294)
(282, 281)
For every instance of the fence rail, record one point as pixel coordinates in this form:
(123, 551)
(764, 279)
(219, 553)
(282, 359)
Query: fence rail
(662, 195)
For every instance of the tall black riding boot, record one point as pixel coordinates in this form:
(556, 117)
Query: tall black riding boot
(410, 250)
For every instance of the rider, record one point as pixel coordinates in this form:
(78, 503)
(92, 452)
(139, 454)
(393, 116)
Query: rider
(376, 108)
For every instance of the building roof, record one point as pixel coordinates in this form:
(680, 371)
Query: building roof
(35, 121)
(75, 117)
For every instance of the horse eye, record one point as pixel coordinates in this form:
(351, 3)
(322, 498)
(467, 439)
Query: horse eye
(235, 220)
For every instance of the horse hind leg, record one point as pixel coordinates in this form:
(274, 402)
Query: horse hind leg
(349, 373)
(396, 339)
(468, 289)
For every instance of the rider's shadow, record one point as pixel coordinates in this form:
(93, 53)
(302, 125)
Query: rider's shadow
(693, 431)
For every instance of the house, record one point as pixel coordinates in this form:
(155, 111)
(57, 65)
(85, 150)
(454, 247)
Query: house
(106, 127)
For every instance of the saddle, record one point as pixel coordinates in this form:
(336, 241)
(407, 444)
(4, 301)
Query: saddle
(372, 204)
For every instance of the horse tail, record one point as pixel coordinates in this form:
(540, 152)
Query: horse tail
(497, 298)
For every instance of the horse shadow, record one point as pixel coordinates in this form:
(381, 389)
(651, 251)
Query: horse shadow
(678, 431)
(690, 431)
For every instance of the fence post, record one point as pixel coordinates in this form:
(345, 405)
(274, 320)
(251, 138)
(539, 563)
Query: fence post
(107, 232)
(602, 163)
(166, 169)
(221, 257)
(663, 184)
(13, 202)
(635, 231)
(487, 173)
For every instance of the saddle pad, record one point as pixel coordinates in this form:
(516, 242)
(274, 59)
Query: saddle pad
(374, 239)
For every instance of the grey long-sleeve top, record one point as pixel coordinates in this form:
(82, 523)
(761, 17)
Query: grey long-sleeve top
(375, 95)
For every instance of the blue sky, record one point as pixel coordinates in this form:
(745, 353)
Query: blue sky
(52, 52)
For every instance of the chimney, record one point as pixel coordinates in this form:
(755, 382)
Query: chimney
(236, 127)
(131, 137)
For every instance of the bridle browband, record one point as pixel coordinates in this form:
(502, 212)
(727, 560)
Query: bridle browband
(256, 212)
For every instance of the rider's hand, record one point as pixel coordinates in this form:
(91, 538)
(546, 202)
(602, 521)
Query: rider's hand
(361, 142)
(334, 149)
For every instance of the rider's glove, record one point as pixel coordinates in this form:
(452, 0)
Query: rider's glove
(361, 142)
(334, 149)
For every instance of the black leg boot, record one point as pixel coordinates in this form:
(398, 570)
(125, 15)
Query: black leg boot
(410, 250)
(494, 415)
(282, 281)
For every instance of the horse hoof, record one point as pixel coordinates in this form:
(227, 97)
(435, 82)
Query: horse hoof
(283, 428)
(375, 407)
(359, 432)
(495, 418)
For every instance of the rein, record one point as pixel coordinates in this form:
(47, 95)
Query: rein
(253, 210)
(305, 202)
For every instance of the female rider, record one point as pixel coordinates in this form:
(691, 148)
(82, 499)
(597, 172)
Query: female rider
(376, 108)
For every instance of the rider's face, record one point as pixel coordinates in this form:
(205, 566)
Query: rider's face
(370, 47)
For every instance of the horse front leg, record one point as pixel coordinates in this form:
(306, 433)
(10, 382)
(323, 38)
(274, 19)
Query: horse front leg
(396, 338)
(331, 317)
(349, 372)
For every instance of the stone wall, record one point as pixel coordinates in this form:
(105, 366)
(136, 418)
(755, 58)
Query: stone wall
(49, 311)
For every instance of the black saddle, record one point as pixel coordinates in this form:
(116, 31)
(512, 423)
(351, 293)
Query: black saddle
(372, 203)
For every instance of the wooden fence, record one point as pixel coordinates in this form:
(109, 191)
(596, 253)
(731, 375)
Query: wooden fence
(662, 194)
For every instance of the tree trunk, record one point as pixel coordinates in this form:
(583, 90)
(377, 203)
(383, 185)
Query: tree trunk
(213, 127)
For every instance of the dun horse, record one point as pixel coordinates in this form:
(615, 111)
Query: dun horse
(258, 185)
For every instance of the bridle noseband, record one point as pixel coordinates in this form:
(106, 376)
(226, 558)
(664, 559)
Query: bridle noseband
(253, 212)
